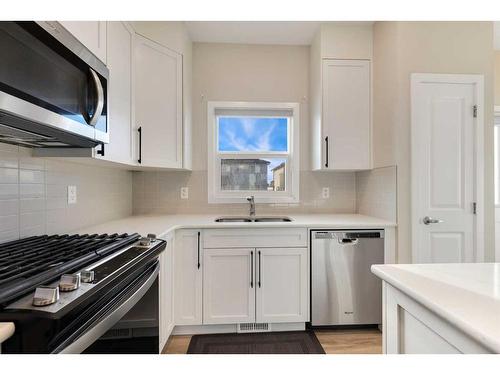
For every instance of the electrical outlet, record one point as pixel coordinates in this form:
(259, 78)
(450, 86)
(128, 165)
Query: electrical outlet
(71, 194)
(325, 192)
(184, 192)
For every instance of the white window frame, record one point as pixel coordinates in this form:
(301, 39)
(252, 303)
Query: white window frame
(215, 194)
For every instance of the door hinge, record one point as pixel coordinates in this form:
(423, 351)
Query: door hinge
(474, 111)
(474, 208)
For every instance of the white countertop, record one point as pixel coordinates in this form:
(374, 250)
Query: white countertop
(6, 330)
(161, 225)
(467, 295)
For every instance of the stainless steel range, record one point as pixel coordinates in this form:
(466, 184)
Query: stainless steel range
(64, 293)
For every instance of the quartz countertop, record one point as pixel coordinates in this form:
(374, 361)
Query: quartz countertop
(6, 330)
(162, 225)
(467, 295)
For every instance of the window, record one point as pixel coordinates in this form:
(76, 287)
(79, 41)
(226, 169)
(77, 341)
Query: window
(253, 150)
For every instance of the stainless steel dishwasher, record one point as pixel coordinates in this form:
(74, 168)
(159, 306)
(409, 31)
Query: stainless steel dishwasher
(343, 290)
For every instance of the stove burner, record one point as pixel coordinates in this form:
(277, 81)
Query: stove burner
(33, 261)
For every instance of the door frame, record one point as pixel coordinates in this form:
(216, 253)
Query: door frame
(478, 81)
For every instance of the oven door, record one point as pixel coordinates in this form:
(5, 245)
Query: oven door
(95, 329)
(50, 78)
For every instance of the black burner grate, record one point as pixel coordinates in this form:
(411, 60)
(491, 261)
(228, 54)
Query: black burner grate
(27, 263)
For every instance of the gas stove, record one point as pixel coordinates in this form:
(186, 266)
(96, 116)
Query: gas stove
(58, 289)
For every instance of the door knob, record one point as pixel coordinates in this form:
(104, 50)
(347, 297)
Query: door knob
(429, 220)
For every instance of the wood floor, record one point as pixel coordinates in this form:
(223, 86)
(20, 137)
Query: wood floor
(359, 341)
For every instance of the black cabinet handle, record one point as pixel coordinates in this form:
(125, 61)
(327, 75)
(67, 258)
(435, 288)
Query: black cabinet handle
(101, 151)
(326, 144)
(198, 250)
(259, 269)
(251, 269)
(139, 129)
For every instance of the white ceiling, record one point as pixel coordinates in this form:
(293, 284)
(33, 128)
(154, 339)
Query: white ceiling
(253, 32)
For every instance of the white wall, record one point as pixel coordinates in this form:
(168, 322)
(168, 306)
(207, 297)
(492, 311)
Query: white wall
(402, 48)
(33, 194)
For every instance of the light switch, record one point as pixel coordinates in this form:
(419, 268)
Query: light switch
(184, 192)
(71, 194)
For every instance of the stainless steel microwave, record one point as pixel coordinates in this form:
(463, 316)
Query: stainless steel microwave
(53, 90)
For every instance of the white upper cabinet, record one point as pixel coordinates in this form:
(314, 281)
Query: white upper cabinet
(158, 104)
(92, 34)
(346, 114)
(340, 98)
(120, 42)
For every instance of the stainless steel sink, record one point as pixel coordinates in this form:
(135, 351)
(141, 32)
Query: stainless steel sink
(272, 219)
(256, 219)
(233, 219)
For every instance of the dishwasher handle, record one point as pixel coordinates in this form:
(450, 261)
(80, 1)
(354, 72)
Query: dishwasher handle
(347, 241)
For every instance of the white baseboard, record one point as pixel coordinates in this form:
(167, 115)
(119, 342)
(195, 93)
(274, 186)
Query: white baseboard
(231, 328)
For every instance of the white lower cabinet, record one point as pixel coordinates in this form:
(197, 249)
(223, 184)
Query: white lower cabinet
(411, 328)
(188, 277)
(235, 276)
(247, 285)
(228, 286)
(166, 293)
(282, 285)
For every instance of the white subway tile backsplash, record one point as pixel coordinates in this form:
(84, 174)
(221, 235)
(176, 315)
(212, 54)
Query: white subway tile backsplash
(31, 190)
(9, 191)
(31, 205)
(159, 192)
(9, 207)
(376, 193)
(27, 176)
(9, 223)
(9, 176)
(33, 194)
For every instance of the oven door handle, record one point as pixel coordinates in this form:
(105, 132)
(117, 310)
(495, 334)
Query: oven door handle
(108, 321)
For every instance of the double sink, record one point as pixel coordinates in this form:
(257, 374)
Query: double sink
(253, 219)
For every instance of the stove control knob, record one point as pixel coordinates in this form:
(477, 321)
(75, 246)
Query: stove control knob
(68, 282)
(152, 237)
(46, 295)
(145, 241)
(87, 276)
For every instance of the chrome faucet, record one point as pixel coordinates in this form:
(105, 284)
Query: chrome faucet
(251, 200)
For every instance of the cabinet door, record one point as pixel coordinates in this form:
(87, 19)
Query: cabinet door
(228, 286)
(188, 277)
(282, 285)
(120, 55)
(166, 291)
(346, 120)
(158, 103)
(92, 34)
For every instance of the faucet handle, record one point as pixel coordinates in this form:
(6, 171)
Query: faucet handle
(250, 198)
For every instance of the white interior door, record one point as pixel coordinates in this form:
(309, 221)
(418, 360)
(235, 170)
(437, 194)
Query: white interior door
(444, 133)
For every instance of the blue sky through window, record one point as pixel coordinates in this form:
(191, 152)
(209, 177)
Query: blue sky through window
(253, 134)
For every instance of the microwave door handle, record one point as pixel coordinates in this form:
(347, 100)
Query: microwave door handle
(100, 99)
